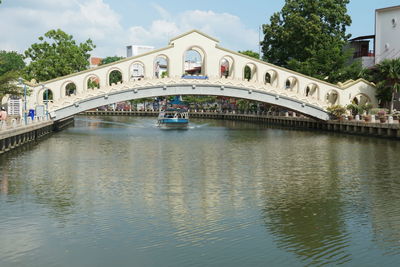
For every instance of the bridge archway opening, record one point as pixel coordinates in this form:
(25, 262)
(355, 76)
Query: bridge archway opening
(70, 89)
(271, 77)
(312, 90)
(114, 77)
(361, 99)
(93, 82)
(332, 97)
(226, 67)
(249, 72)
(137, 71)
(161, 66)
(291, 84)
(47, 96)
(193, 61)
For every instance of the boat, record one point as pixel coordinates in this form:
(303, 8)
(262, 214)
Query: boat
(173, 119)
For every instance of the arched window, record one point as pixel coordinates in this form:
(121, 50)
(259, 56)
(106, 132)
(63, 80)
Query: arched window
(332, 97)
(226, 67)
(193, 62)
(249, 72)
(114, 77)
(70, 89)
(93, 82)
(137, 71)
(308, 90)
(268, 78)
(161, 67)
(47, 95)
(291, 84)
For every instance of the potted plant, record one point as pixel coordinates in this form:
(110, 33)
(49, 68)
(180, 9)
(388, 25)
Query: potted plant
(382, 115)
(337, 111)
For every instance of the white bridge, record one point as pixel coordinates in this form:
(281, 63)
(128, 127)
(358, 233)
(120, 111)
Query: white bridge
(218, 72)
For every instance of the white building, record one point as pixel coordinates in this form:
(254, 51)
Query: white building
(387, 33)
(386, 41)
(135, 50)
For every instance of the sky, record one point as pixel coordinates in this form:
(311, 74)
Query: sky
(114, 24)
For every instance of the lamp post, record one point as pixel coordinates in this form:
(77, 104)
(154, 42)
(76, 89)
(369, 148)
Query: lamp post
(25, 115)
(47, 101)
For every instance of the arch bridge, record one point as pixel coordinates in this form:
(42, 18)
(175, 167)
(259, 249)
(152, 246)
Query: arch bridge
(195, 64)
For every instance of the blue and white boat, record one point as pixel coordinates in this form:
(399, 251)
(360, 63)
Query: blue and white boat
(173, 118)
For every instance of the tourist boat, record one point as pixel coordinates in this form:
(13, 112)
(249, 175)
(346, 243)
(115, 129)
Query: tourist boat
(173, 119)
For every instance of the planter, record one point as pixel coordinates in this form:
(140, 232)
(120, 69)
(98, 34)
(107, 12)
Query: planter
(382, 119)
(367, 118)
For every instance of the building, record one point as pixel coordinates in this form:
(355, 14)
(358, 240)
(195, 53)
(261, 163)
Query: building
(135, 50)
(94, 62)
(384, 44)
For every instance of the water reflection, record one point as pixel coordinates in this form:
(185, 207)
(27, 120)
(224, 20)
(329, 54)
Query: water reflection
(223, 193)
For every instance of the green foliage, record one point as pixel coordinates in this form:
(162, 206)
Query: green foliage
(309, 37)
(337, 110)
(92, 84)
(109, 60)
(57, 54)
(10, 61)
(8, 84)
(354, 109)
(164, 74)
(386, 76)
(250, 54)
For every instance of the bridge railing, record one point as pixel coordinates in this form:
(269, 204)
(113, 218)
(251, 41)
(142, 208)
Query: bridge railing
(16, 123)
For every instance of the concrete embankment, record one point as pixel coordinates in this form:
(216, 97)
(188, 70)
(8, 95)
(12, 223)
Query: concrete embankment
(18, 135)
(377, 129)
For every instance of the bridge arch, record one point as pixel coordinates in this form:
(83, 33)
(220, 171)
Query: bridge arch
(137, 70)
(65, 108)
(197, 51)
(92, 82)
(250, 72)
(332, 97)
(271, 77)
(68, 88)
(42, 97)
(312, 91)
(114, 75)
(292, 84)
(361, 99)
(226, 66)
(161, 66)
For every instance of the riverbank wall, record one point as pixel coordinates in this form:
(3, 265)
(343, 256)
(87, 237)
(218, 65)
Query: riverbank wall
(358, 127)
(16, 134)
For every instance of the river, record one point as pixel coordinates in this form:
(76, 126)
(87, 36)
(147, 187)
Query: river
(118, 191)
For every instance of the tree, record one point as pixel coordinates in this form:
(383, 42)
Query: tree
(11, 64)
(386, 76)
(115, 76)
(309, 37)
(250, 54)
(57, 54)
(10, 61)
(8, 84)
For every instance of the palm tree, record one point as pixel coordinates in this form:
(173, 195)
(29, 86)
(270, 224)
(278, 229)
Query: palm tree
(386, 76)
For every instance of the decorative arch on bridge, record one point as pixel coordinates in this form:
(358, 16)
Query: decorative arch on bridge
(271, 77)
(292, 84)
(361, 99)
(193, 61)
(226, 66)
(137, 71)
(161, 66)
(312, 90)
(68, 88)
(92, 81)
(45, 95)
(114, 76)
(250, 72)
(332, 97)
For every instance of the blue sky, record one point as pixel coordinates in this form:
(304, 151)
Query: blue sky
(113, 24)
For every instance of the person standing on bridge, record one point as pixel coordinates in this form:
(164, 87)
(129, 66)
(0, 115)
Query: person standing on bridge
(3, 115)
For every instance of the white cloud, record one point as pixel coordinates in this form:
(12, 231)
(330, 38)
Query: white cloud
(29, 19)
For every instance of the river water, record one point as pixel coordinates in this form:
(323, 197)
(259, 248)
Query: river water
(118, 191)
